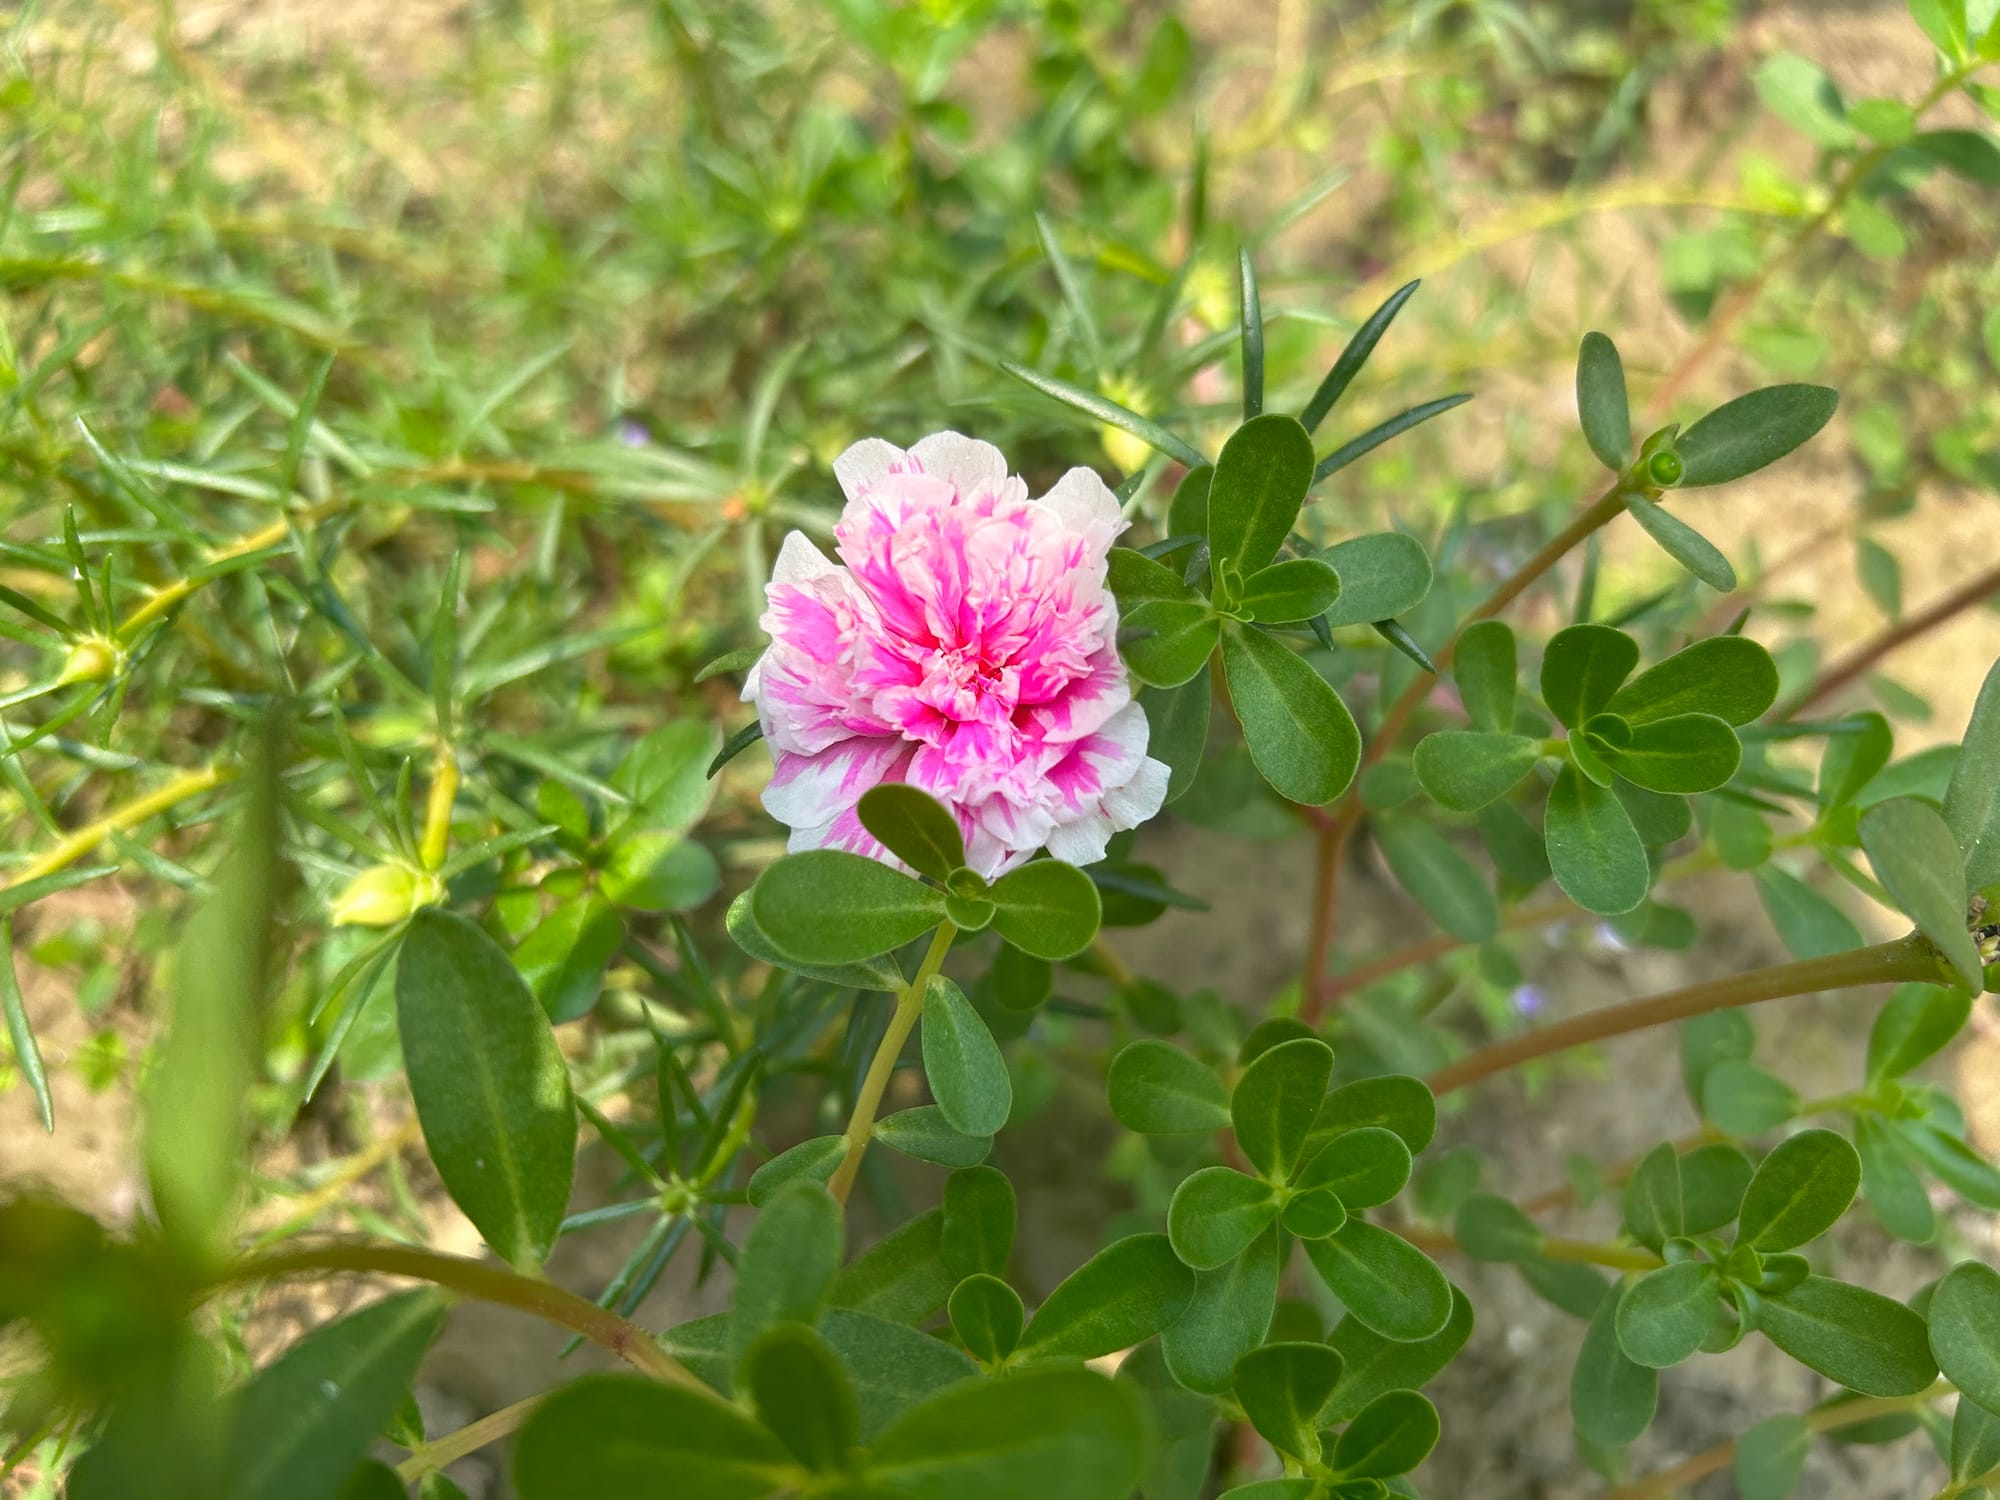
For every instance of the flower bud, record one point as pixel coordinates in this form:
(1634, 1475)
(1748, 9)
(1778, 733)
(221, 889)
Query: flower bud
(1665, 467)
(382, 895)
(91, 659)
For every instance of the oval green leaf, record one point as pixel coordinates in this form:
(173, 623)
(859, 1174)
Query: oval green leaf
(1301, 737)
(1582, 669)
(491, 1089)
(1965, 1331)
(1391, 1435)
(1854, 1337)
(1261, 479)
(1384, 1280)
(623, 1435)
(1753, 431)
(1918, 862)
(1295, 589)
(914, 826)
(305, 1419)
(1157, 1089)
(1799, 1191)
(1593, 848)
(1216, 1214)
(1600, 402)
(1664, 1316)
(1047, 908)
(1276, 1102)
(967, 1074)
(827, 906)
(1121, 1296)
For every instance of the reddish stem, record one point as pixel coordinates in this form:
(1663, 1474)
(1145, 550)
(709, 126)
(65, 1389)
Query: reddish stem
(1906, 958)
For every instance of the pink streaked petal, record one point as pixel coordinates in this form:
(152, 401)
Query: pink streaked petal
(799, 714)
(1083, 706)
(1108, 758)
(844, 832)
(810, 791)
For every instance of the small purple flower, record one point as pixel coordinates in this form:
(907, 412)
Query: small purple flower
(1528, 999)
(633, 434)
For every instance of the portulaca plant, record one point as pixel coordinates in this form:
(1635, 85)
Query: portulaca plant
(977, 707)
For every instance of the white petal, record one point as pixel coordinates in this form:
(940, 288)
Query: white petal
(863, 463)
(968, 463)
(799, 561)
(1141, 798)
(1085, 503)
(809, 791)
(1084, 841)
(1119, 761)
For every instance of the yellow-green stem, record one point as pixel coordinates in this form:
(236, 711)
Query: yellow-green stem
(72, 847)
(1598, 1253)
(437, 808)
(168, 595)
(909, 1006)
(471, 1278)
(429, 1457)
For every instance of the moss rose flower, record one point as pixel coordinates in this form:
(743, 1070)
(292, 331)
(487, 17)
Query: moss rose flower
(965, 643)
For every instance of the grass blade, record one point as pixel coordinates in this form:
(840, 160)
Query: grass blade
(1109, 412)
(1253, 339)
(1354, 356)
(1072, 292)
(27, 1056)
(1375, 437)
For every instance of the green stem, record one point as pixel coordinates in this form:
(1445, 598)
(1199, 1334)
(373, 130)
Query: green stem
(1906, 958)
(1436, 1242)
(471, 1278)
(1596, 1253)
(428, 1458)
(909, 1006)
(73, 847)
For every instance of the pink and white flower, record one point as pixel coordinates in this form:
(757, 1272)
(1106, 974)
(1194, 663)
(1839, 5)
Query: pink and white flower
(965, 643)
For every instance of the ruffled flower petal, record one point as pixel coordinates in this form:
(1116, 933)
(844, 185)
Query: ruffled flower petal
(964, 641)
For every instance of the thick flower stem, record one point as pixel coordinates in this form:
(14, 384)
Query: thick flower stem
(472, 1278)
(1906, 958)
(1341, 823)
(909, 1006)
